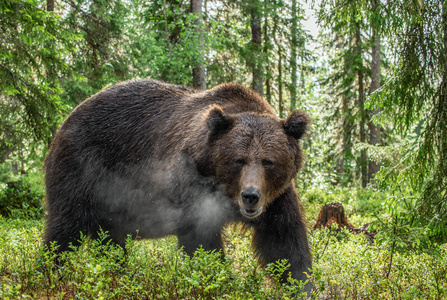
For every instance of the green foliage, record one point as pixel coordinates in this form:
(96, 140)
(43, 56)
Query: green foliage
(346, 266)
(361, 205)
(411, 180)
(99, 56)
(346, 45)
(164, 43)
(400, 263)
(413, 100)
(32, 48)
(21, 199)
(50, 61)
(154, 269)
(410, 104)
(353, 268)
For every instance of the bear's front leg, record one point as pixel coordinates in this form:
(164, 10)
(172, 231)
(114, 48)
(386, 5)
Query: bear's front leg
(280, 233)
(191, 237)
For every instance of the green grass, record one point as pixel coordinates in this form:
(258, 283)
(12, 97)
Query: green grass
(346, 266)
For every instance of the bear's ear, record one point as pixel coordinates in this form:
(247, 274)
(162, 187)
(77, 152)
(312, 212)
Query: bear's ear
(297, 124)
(217, 122)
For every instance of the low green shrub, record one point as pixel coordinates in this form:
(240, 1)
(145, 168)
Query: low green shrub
(345, 266)
(21, 199)
(152, 269)
(355, 268)
(361, 205)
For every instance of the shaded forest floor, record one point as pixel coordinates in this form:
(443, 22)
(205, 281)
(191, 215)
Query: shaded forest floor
(346, 266)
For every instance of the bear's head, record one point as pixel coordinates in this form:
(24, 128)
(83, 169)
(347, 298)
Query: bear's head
(255, 156)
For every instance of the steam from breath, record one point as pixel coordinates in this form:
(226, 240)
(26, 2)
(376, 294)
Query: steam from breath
(158, 198)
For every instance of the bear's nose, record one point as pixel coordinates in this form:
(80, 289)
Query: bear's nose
(250, 196)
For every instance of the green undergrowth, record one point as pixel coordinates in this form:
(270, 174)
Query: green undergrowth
(361, 205)
(399, 263)
(21, 198)
(349, 266)
(152, 269)
(346, 266)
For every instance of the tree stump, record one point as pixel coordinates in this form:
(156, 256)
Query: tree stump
(334, 213)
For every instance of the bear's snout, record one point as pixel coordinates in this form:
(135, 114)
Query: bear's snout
(250, 197)
(250, 207)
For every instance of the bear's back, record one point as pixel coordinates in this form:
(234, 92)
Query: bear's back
(234, 99)
(132, 120)
(118, 123)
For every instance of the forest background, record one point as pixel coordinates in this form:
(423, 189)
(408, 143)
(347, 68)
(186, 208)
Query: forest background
(374, 81)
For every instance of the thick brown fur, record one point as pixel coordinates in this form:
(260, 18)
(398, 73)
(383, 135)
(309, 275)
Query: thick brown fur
(158, 159)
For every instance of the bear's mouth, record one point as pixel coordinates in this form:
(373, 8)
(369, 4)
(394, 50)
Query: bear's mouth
(251, 213)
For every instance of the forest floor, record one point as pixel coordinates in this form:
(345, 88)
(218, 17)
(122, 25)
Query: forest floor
(345, 265)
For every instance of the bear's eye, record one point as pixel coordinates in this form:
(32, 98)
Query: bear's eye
(240, 162)
(267, 163)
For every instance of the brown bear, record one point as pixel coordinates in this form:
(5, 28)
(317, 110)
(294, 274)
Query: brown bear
(148, 158)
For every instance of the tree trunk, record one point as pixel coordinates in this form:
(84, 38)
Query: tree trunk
(198, 72)
(256, 32)
(280, 72)
(361, 106)
(50, 5)
(51, 74)
(443, 98)
(346, 135)
(280, 92)
(294, 57)
(302, 77)
(374, 130)
(268, 79)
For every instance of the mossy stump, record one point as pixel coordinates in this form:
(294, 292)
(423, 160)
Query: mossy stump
(330, 214)
(334, 213)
